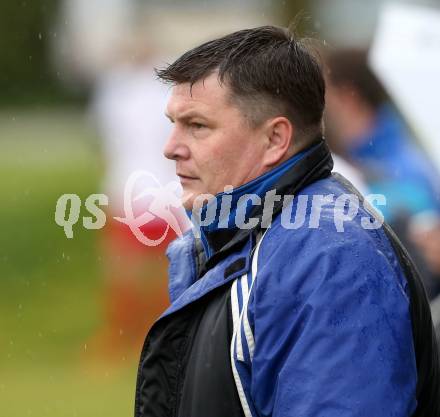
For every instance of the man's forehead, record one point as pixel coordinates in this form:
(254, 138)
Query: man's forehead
(204, 94)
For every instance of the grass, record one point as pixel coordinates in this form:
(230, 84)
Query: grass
(50, 285)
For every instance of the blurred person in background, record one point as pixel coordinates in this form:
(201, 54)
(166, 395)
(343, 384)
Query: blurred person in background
(128, 106)
(363, 127)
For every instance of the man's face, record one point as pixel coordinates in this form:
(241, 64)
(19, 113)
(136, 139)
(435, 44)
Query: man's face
(212, 143)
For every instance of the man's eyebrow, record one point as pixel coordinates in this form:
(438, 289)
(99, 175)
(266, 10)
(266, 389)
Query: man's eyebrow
(187, 115)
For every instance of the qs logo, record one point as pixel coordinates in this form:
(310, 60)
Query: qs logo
(161, 201)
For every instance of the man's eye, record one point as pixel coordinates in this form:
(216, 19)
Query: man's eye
(197, 125)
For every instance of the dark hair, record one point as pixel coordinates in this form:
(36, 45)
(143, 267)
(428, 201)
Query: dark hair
(350, 67)
(268, 70)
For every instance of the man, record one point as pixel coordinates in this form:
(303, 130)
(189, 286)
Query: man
(275, 318)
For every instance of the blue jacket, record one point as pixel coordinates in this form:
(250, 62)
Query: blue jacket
(303, 320)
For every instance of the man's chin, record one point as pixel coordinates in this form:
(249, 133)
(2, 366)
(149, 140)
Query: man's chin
(187, 205)
(188, 198)
(193, 200)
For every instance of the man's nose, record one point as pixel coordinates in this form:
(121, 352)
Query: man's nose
(174, 148)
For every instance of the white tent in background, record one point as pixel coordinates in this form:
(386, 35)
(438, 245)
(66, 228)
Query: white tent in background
(405, 56)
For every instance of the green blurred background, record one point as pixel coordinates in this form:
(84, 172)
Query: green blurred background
(50, 285)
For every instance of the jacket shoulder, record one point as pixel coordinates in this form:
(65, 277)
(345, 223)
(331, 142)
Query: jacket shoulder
(327, 234)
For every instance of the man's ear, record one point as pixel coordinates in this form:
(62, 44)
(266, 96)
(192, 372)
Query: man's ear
(279, 135)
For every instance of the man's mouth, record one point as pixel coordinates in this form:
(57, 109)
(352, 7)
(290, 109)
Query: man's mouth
(186, 178)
